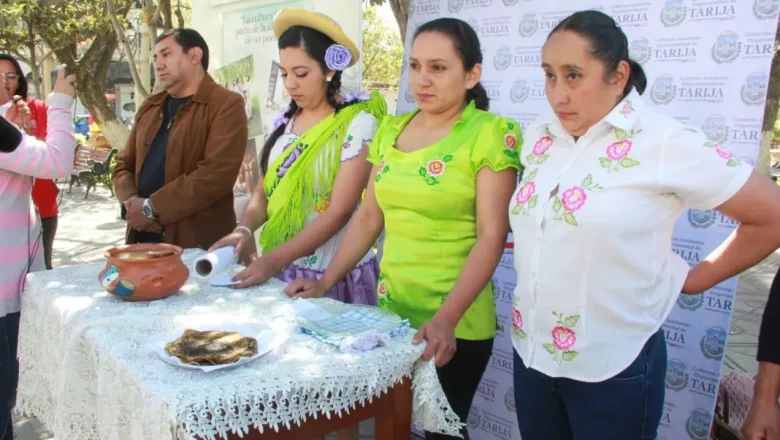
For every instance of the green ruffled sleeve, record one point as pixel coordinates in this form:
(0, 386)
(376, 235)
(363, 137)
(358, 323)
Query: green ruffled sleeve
(498, 145)
(376, 148)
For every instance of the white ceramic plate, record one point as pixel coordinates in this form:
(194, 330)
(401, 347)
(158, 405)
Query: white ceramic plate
(222, 279)
(264, 345)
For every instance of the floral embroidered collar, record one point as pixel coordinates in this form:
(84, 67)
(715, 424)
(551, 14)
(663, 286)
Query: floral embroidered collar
(624, 116)
(626, 113)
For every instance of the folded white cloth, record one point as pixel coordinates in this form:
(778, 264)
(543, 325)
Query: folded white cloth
(364, 342)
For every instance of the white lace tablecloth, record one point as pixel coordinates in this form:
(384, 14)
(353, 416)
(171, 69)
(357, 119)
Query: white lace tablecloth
(87, 371)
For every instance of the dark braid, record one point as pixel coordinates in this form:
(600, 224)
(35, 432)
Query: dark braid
(315, 43)
(269, 144)
(334, 86)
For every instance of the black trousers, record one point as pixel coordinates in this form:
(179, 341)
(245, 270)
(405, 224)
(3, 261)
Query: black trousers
(9, 372)
(49, 226)
(460, 378)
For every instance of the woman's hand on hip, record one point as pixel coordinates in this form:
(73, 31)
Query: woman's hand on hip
(440, 336)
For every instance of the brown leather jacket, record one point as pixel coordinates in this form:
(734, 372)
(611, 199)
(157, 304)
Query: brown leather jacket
(205, 150)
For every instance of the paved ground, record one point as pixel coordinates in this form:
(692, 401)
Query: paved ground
(88, 227)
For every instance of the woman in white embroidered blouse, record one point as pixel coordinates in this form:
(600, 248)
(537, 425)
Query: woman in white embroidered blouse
(593, 218)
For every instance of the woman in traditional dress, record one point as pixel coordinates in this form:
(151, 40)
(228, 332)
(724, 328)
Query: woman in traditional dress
(442, 177)
(313, 164)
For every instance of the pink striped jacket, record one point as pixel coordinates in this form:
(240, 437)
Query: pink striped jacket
(20, 243)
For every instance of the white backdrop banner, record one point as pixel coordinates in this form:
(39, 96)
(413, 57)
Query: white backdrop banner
(707, 64)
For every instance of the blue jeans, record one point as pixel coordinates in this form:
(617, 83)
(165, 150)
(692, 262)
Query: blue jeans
(9, 372)
(625, 407)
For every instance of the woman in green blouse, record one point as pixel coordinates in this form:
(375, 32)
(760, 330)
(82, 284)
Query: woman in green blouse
(442, 178)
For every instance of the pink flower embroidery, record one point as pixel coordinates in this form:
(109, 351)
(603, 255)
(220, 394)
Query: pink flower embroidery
(726, 154)
(542, 145)
(517, 318)
(525, 193)
(435, 168)
(619, 150)
(574, 198)
(526, 198)
(382, 290)
(517, 323)
(563, 338)
(539, 153)
(510, 140)
(627, 109)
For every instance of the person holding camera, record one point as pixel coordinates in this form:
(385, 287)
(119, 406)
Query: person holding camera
(33, 121)
(23, 159)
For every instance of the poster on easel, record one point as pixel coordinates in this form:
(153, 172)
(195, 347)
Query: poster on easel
(239, 77)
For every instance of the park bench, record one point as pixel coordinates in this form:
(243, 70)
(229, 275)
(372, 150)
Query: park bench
(93, 166)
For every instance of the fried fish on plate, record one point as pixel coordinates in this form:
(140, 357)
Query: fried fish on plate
(211, 347)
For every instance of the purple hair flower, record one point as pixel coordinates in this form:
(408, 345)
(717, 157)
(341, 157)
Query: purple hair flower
(337, 57)
(360, 96)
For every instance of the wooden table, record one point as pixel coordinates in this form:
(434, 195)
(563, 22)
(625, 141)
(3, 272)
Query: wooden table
(392, 415)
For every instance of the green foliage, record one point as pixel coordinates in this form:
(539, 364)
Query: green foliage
(60, 25)
(237, 70)
(382, 50)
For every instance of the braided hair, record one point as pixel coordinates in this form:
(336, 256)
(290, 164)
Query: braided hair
(315, 43)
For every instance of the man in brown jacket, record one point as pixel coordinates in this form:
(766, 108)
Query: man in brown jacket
(175, 176)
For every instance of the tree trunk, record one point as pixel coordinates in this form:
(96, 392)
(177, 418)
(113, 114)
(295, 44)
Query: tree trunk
(167, 14)
(140, 89)
(91, 71)
(34, 68)
(770, 111)
(401, 12)
(148, 35)
(179, 15)
(35, 71)
(48, 66)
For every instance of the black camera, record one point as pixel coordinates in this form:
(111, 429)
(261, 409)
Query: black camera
(10, 136)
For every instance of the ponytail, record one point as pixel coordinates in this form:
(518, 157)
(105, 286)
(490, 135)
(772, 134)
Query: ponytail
(478, 94)
(636, 79)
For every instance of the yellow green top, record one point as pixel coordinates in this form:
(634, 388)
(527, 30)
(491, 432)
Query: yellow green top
(428, 198)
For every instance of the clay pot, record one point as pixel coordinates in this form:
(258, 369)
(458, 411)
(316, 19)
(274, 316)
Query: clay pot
(143, 272)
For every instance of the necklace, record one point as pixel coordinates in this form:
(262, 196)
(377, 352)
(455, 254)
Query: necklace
(173, 118)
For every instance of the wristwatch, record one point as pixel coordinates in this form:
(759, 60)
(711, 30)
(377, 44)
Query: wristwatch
(147, 210)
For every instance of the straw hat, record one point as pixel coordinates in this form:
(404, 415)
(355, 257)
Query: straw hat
(289, 17)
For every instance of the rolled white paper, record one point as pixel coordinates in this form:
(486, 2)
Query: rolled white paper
(221, 260)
